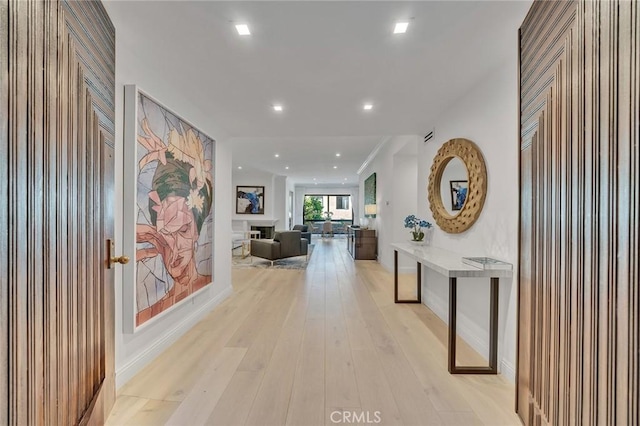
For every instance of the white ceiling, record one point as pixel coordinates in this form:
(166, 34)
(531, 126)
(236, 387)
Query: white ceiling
(311, 160)
(322, 61)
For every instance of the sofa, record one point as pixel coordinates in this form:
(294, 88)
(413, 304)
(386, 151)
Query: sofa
(284, 244)
(304, 230)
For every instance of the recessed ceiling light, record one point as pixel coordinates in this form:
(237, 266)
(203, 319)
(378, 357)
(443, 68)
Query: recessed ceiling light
(401, 27)
(335, 167)
(314, 178)
(367, 107)
(277, 155)
(239, 167)
(345, 178)
(287, 167)
(343, 183)
(337, 154)
(277, 108)
(243, 29)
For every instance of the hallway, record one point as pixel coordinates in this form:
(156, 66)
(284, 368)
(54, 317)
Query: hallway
(314, 347)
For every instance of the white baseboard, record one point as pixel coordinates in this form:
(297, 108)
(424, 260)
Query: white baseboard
(468, 330)
(388, 268)
(401, 270)
(131, 368)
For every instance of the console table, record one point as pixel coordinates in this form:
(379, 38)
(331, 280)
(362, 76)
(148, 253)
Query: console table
(362, 244)
(450, 265)
(242, 240)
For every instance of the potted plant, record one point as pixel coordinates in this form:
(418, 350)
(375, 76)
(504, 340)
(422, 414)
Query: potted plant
(415, 225)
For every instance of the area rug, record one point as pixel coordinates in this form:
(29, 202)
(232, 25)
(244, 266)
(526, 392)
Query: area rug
(299, 262)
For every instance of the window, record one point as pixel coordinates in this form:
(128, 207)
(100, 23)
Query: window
(323, 206)
(313, 207)
(342, 202)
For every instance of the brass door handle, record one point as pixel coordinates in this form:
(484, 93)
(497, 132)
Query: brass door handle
(120, 259)
(111, 259)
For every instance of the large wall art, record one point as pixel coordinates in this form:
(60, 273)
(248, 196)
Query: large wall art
(370, 208)
(168, 208)
(249, 199)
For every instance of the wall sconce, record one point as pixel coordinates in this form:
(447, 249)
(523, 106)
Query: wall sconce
(370, 210)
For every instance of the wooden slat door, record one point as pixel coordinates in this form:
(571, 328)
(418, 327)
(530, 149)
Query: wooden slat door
(4, 212)
(56, 210)
(579, 298)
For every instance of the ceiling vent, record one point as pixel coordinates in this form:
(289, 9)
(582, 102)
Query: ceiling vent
(429, 136)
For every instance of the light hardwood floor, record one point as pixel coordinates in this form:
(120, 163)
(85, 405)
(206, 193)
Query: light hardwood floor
(292, 347)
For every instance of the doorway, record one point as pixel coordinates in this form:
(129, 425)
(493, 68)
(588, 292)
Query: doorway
(291, 204)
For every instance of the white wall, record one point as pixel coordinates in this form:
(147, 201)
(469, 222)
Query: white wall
(254, 178)
(134, 351)
(275, 199)
(291, 203)
(280, 196)
(488, 115)
(396, 186)
(404, 201)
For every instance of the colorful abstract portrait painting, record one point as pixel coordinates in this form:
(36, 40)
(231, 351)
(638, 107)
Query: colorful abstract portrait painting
(250, 199)
(174, 200)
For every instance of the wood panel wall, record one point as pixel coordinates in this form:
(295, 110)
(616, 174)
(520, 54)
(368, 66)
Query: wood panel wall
(579, 305)
(57, 123)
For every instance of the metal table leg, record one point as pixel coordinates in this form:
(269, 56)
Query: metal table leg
(493, 331)
(395, 282)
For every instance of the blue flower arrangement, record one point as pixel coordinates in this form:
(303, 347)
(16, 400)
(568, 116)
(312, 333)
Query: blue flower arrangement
(416, 225)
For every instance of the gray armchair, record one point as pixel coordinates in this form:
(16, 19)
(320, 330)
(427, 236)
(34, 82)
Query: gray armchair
(284, 244)
(304, 230)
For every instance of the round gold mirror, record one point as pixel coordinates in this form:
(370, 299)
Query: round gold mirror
(457, 185)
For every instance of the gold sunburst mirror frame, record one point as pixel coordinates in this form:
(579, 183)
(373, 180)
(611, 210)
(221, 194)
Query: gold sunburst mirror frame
(473, 160)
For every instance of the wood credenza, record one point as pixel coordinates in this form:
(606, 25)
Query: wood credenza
(362, 244)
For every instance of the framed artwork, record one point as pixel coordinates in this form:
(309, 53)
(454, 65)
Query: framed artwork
(250, 199)
(459, 190)
(169, 211)
(370, 196)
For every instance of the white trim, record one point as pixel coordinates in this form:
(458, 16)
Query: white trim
(387, 267)
(401, 269)
(508, 370)
(129, 207)
(130, 369)
(465, 328)
(468, 330)
(406, 270)
(373, 154)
